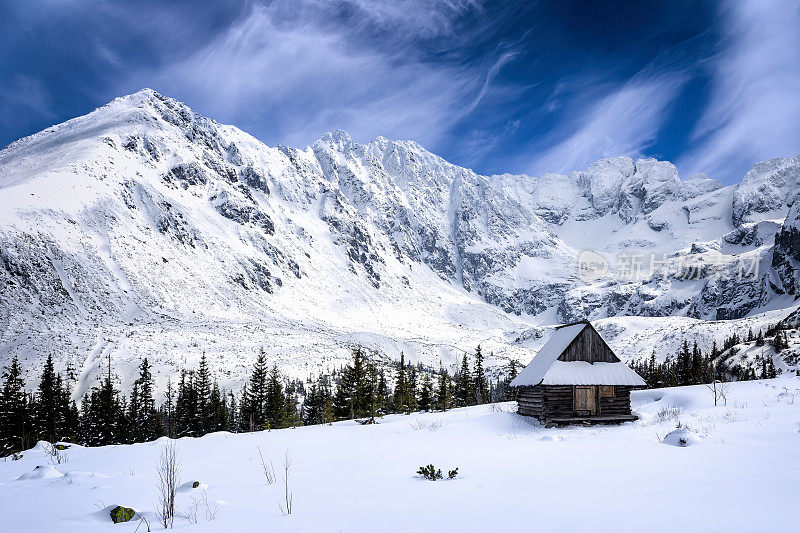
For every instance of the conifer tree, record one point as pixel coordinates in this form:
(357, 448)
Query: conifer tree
(15, 427)
(411, 391)
(149, 422)
(46, 408)
(168, 411)
(696, 365)
(275, 404)
(444, 391)
(257, 394)
(291, 415)
(187, 419)
(480, 387)
(400, 387)
(311, 412)
(684, 369)
(426, 393)
(463, 390)
(104, 419)
(383, 394)
(233, 414)
(216, 418)
(327, 405)
(205, 412)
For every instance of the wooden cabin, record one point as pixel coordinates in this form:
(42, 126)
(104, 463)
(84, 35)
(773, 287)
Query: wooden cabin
(576, 378)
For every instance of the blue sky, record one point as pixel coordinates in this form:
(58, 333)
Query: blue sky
(499, 87)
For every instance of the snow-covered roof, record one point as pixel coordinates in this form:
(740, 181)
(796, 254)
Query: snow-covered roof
(546, 369)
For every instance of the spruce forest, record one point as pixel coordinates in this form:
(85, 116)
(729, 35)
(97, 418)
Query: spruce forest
(195, 405)
(365, 389)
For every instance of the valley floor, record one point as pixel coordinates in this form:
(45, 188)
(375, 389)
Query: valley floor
(740, 472)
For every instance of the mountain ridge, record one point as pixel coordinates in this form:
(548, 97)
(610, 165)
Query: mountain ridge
(138, 225)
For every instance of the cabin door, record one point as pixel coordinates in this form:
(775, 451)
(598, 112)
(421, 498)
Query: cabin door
(586, 400)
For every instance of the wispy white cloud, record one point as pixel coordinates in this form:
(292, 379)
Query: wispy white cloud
(754, 108)
(624, 121)
(295, 71)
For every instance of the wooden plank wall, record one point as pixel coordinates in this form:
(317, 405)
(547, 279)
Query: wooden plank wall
(589, 346)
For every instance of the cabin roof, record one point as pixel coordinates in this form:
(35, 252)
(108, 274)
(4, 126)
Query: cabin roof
(546, 369)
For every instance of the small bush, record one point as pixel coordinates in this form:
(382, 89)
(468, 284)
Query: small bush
(430, 472)
(121, 514)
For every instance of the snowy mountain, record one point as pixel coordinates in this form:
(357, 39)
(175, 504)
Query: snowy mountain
(146, 229)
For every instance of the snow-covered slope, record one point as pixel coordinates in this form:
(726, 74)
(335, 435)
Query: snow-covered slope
(513, 474)
(145, 229)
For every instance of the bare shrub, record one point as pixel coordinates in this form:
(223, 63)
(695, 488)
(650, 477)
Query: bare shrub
(421, 423)
(286, 504)
(144, 521)
(269, 469)
(669, 412)
(719, 389)
(56, 453)
(192, 514)
(167, 472)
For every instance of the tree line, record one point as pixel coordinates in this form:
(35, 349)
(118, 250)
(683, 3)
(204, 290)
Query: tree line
(692, 366)
(196, 405)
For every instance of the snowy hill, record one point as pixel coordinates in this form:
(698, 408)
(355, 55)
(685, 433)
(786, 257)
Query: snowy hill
(146, 229)
(512, 472)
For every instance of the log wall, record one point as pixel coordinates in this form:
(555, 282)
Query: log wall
(558, 401)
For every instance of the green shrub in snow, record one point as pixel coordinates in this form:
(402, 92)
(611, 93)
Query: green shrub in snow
(121, 514)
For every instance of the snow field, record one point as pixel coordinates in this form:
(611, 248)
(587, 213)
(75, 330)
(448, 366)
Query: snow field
(741, 472)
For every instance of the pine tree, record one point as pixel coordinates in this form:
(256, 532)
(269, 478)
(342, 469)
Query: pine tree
(168, 411)
(233, 414)
(150, 427)
(444, 391)
(400, 387)
(463, 390)
(479, 385)
(771, 371)
(426, 393)
(46, 404)
(256, 407)
(760, 338)
(275, 404)
(202, 387)
(15, 428)
(697, 365)
(104, 417)
(187, 417)
(216, 418)
(362, 393)
(411, 391)
(327, 405)
(684, 370)
(134, 433)
(291, 415)
(311, 412)
(384, 394)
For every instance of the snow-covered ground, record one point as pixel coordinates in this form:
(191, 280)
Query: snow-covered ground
(739, 472)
